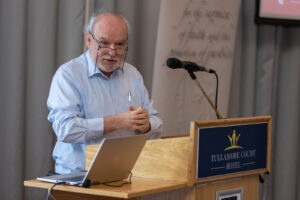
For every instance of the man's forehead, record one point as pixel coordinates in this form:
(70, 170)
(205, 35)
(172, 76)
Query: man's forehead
(107, 36)
(110, 22)
(110, 33)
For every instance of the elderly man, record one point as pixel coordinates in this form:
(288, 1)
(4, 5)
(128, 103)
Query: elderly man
(98, 95)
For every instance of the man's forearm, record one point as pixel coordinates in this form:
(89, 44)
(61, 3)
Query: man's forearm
(111, 123)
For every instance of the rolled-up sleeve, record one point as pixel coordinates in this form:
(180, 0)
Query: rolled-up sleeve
(67, 112)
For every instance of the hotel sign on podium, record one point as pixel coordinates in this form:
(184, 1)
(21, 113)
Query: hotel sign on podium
(230, 148)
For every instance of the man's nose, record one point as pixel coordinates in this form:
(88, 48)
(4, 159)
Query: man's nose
(112, 50)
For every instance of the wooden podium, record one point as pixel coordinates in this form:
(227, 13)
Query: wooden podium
(170, 169)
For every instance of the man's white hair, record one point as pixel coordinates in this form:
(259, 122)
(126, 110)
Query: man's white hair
(90, 26)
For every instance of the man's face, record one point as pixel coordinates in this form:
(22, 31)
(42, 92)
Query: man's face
(110, 32)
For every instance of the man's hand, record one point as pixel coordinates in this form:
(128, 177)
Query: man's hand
(140, 119)
(133, 120)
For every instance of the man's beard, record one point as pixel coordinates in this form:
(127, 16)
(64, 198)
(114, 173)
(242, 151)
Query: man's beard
(107, 57)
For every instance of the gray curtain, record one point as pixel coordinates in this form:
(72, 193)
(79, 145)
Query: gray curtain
(266, 79)
(38, 35)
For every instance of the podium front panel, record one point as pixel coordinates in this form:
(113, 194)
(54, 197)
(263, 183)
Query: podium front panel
(230, 148)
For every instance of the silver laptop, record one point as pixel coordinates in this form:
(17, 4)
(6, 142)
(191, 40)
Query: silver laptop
(113, 161)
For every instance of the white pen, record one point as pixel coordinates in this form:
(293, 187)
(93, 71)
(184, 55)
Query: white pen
(129, 96)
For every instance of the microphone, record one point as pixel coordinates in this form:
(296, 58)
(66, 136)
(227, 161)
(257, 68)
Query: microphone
(191, 67)
(175, 63)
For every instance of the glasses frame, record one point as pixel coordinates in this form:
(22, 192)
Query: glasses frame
(119, 51)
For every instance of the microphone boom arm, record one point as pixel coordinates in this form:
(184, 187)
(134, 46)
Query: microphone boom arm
(193, 76)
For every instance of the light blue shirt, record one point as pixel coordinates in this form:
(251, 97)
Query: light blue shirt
(80, 96)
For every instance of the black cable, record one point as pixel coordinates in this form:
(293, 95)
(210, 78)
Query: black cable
(50, 190)
(94, 183)
(120, 185)
(217, 89)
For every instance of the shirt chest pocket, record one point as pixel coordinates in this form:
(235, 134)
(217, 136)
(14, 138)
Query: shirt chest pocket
(131, 99)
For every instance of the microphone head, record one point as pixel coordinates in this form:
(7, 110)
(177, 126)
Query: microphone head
(174, 63)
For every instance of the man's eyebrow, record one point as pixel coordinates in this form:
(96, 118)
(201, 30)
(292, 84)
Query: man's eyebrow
(102, 38)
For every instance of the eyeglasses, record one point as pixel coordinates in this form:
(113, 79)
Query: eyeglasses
(104, 45)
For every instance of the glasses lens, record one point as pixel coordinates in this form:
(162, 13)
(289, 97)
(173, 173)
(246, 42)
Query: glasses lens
(118, 50)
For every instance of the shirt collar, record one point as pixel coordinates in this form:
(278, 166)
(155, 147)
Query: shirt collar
(92, 71)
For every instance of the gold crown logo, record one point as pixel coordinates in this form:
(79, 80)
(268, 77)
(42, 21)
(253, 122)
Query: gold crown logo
(233, 141)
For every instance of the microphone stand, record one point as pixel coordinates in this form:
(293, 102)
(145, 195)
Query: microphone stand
(193, 76)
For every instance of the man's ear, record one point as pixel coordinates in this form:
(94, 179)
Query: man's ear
(88, 39)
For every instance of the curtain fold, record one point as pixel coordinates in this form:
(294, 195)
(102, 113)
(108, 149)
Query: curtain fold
(267, 75)
(286, 184)
(36, 37)
(12, 81)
